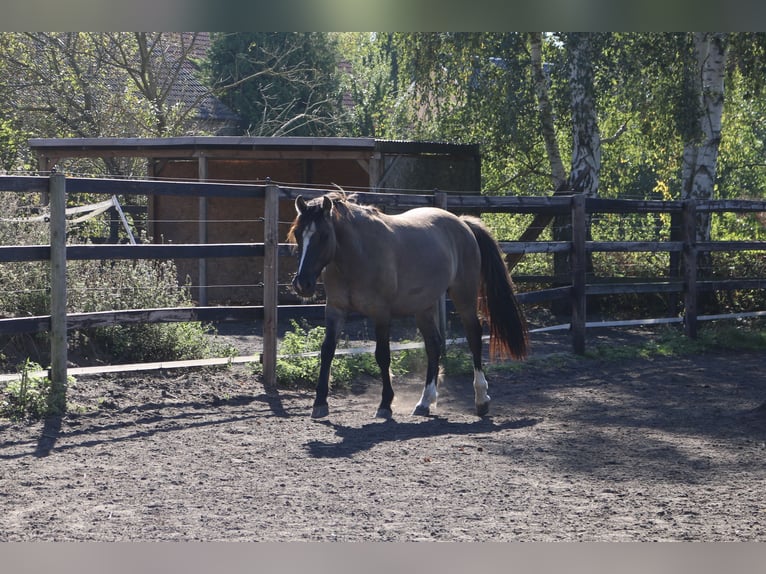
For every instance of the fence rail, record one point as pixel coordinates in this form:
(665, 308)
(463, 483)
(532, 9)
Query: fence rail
(579, 286)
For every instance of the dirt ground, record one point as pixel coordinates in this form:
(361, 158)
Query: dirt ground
(574, 449)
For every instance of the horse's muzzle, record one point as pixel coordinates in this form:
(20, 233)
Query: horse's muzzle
(304, 288)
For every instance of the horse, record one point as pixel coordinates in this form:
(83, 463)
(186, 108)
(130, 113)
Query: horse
(385, 266)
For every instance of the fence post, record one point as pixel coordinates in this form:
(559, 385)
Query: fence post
(689, 237)
(202, 235)
(578, 265)
(58, 367)
(270, 284)
(440, 201)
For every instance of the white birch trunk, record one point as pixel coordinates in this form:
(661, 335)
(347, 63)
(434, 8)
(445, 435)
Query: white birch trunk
(700, 156)
(586, 139)
(558, 171)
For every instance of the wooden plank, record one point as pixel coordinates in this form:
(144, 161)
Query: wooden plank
(732, 205)
(509, 204)
(19, 325)
(15, 253)
(202, 217)
(544, 295)
(167, 251)
(535, 246)
(207, 142)
(731, 246)
(137, 367)
(634, 288)
(31, 184)
(731, 284)
(633, 246)
(78, 321)
(598, 205)
(190, 189)
(18, 253)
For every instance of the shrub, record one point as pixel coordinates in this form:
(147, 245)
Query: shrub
(299, 362)
(27, 397)
(299, 359)
(100, 286)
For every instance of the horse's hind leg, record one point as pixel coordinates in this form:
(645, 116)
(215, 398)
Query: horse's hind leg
(473, 332)
(428, 327)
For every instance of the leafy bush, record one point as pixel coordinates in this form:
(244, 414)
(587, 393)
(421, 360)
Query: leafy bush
(100, 286)
(137, 285)
(299, 360)
(27, 397)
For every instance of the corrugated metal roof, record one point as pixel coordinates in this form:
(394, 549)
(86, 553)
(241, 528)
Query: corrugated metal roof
(247, 142)
(232, 142)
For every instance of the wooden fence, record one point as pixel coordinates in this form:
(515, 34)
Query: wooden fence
(576, 290)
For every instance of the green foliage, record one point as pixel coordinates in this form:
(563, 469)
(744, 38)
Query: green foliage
(137, 285)
(280, 83)
(27, 397)
(299, 361)
(102, 286)
(670, 341)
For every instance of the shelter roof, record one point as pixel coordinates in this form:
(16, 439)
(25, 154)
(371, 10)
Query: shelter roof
(238, 146)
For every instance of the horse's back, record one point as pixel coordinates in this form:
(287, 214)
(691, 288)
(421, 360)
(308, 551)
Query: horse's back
(401, 264)
(435, 249)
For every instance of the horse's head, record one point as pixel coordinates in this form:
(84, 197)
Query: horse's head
(314, 233)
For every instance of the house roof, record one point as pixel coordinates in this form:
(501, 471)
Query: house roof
(187, 89)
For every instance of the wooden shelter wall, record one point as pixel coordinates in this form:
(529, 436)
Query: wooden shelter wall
(232, 220)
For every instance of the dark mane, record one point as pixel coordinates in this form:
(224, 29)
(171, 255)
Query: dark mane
(346, 204)
(345, 207)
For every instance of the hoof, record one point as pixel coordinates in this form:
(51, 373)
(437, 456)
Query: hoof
(421, 411)
(384, 414)
(482, 410)
(320, 411)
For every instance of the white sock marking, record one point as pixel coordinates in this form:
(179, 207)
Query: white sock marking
(429, 396)
(480, 387)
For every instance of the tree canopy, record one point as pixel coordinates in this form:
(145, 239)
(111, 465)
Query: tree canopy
(280, 83)
(626, 105)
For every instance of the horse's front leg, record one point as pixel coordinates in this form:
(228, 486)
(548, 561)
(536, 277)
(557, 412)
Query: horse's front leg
(429, 328)
(383, 358)
(333, 326)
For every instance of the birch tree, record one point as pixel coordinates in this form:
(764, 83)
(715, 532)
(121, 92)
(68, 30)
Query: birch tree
(700, 155)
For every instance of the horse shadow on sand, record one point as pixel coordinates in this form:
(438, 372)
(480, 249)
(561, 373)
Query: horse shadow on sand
(355, 439)
(150, 420)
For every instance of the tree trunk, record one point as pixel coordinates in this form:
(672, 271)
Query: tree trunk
(558, 171)
(700, 156)
(586, 142)
(586, 139)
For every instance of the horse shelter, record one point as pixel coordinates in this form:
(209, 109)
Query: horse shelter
(354, 164)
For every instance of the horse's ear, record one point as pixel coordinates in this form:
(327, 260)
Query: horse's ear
(300, 205)
(327, 205)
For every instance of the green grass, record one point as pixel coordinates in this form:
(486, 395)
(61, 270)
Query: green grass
(295, 367)
(673, 342)
(293, 370)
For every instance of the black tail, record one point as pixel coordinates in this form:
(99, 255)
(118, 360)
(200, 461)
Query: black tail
(508, 334)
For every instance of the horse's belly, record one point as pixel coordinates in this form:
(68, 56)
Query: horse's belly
(413, 298)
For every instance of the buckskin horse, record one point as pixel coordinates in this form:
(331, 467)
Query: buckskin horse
(385, 266)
